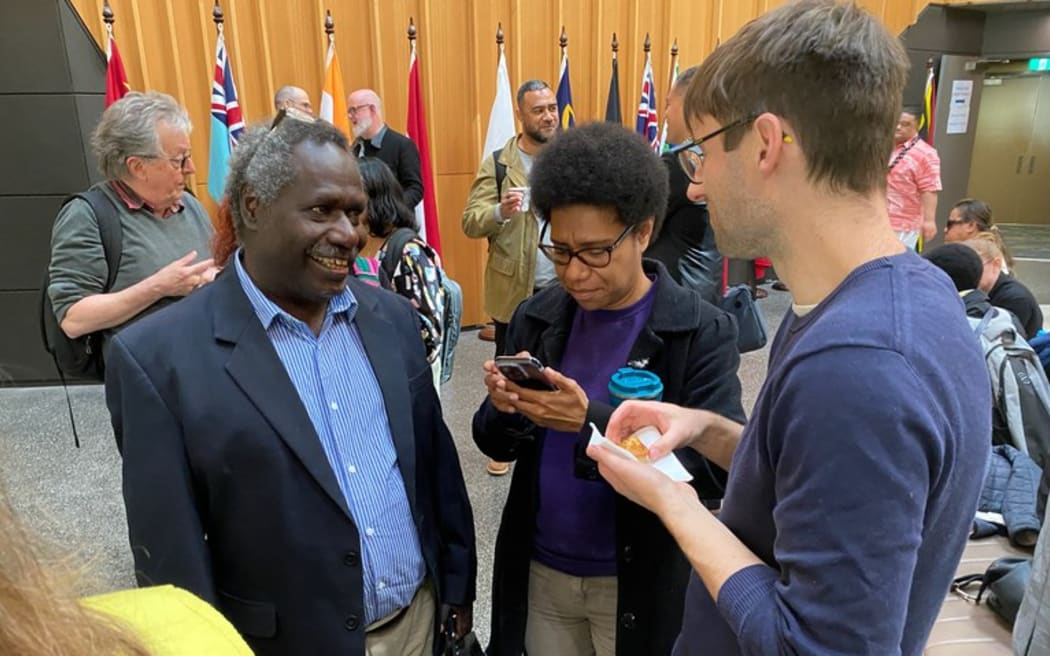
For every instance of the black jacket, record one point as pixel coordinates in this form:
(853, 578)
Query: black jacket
(399, 153)
(1009, 293)
(229, 492)
(691, 345)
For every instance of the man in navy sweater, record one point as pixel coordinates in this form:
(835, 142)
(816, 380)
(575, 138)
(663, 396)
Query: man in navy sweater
(853, 486)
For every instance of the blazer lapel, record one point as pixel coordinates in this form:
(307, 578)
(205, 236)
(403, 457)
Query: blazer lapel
(384, 353)
(258, 371)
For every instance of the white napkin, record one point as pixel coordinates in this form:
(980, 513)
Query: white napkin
(669, 464)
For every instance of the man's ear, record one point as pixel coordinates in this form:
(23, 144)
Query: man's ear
(250, 210)
(136, 167)
(770, 129)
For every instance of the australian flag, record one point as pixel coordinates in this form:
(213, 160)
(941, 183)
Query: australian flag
(647, 125)
(226, 121)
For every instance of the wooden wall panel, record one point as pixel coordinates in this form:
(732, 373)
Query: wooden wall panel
(169, 45)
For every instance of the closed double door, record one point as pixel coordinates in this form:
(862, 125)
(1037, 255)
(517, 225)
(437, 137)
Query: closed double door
(1010, 168)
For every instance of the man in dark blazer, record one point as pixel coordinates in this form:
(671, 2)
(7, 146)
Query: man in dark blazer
(376, 139)
(285, 455)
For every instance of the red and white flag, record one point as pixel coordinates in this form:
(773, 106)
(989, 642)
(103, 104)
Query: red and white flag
(426, 211)
(116, 79)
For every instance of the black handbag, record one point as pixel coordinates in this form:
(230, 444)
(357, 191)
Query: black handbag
(751, 327)
(451, 646)
(1002, 586)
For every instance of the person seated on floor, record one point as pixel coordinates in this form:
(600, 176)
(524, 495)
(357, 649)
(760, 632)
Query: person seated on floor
(1003, 289)
(564, 529)
(963, 265)
(968, 218)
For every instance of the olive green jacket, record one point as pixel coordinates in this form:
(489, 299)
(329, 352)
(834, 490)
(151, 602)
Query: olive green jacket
(511, 268)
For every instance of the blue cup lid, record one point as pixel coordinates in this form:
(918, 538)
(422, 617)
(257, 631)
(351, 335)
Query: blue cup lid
(631, 383)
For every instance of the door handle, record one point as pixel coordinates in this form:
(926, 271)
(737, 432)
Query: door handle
(1031, 165)
(1020, 163)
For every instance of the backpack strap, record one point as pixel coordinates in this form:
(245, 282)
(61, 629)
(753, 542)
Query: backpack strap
(394, 248)
(109, 229)
(985, 320)
(501, 173)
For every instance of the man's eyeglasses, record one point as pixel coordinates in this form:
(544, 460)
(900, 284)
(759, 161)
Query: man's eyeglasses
(178, 162)
(691, 155)
(353, 111)
(596, 257)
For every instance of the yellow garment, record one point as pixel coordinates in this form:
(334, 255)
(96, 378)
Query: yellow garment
(171, 622)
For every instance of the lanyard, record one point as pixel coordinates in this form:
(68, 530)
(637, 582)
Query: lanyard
(904, 152)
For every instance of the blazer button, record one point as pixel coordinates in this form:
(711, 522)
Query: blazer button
(627, 620)
(352, 623)
(628, 554)
(351, 559)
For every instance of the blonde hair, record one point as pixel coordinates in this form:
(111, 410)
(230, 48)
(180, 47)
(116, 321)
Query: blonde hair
(40, 613)
(989, 245)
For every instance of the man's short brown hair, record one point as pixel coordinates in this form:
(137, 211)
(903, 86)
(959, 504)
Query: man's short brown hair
(828, 68)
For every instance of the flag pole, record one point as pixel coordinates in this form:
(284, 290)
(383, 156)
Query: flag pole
(108, 19)
(218, 17)
(674, 62)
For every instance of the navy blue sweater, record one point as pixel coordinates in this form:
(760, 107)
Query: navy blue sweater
(857, 478)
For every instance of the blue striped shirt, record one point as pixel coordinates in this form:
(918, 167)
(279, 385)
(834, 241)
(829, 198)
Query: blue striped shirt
(336, 383)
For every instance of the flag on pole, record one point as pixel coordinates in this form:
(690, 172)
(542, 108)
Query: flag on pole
(501, 118)
(426, 210)
(566, 114)
(929, 104)
(226, 120)
(612, 104)
(664, 146)
(333, 97)
(116, 79)
(647, 125)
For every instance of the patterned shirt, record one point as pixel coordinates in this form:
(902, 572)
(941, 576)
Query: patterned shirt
(337, 385)
(915, 171)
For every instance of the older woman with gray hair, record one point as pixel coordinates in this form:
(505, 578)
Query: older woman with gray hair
(142, 143)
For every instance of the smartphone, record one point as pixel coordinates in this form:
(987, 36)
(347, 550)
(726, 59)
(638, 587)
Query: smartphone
(524, 372)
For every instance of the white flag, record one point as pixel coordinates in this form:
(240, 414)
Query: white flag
(501, 120)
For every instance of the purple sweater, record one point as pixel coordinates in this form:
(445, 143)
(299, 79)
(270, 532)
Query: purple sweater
(576, 519)
(857, 477)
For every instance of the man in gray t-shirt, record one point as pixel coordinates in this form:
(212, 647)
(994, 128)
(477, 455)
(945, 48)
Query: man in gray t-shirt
(143, 147)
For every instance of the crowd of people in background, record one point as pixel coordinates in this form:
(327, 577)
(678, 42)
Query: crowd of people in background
(275, 394)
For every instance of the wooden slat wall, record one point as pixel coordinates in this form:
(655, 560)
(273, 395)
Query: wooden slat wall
(169, 45)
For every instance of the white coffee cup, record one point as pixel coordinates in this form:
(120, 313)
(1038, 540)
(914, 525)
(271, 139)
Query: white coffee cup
(526, 197)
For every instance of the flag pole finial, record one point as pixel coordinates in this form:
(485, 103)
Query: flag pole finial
(217, 15)
(563, 40)
(674, 48)
(329, 24)
(615, 44)
(411, 29)
(499, 34)
(107, 15)
(648, 44)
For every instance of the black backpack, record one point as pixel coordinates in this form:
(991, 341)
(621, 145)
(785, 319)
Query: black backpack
(82, 357)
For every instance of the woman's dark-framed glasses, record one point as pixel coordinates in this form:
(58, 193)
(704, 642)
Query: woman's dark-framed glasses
(691, 155)
(596, 257)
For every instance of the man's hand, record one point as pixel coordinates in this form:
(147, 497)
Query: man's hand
(679, 427)
(564, 409)
(510, 204)
(181, 276)
(644, 484)
(929, 230)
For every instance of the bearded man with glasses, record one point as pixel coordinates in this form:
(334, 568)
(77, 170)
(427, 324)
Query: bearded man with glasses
(142, 143)
(853, 486)
(580, 570)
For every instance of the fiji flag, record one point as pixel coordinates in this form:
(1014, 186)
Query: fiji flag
(566, 114)
(647, 125)
(226, 121)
